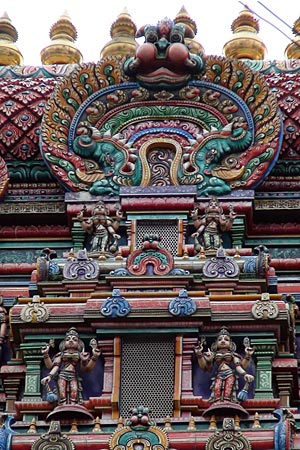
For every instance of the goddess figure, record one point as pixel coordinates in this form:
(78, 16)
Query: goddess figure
(211, 225)
(64, 366)
(101, 227)
(229, 366)
(3, 326)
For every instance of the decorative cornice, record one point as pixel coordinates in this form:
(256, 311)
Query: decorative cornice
(32, 208)
(23, 171)
(277, 203)
(287, 167)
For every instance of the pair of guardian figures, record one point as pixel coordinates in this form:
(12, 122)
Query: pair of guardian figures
(102, 228)
(65, 365)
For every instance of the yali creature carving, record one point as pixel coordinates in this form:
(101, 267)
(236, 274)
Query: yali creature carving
(164, 59)
(164, 116)
(204, 163)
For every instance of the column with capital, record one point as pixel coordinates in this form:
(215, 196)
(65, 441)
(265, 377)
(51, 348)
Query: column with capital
(265, 350)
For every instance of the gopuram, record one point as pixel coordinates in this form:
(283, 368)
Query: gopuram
(149, 242)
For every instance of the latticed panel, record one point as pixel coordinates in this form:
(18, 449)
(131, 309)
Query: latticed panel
(147, 375)
(166, 229)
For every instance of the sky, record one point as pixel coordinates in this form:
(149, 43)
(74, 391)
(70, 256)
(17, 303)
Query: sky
(93, 18)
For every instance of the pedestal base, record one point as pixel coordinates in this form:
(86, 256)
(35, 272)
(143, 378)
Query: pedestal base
(70, 412)
(226, 409)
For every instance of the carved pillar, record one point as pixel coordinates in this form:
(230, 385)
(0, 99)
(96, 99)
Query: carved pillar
(187, 366)
(131, 233)
(284, 382)
(178, 372)
(115, 397)
(33, 357)
(11, 385)
(182, 226)
(78, 236)
(264, 351)
(107, 349)
(238, 232)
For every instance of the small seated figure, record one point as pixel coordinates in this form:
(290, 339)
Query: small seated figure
(65, 364)
(229, 366)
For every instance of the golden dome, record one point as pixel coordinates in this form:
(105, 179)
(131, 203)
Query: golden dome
(62, 49)
(184, 18)
(245, 43)
(292, 50)
(10, 55)
(123, 37)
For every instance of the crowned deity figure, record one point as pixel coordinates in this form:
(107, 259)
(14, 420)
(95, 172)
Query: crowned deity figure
(211, 225)
(228, 366)
(101, 227)
(65, 365)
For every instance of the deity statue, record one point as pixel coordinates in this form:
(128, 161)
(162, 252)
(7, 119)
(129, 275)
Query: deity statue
(228, 366)
(65, 364)
(101, 227)
(211, 225)
(3, 325)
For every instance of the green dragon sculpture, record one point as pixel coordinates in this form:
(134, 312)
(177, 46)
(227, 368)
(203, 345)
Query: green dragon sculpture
(211, 162)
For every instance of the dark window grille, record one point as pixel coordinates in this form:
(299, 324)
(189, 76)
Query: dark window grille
(166, 229)
(147, 375)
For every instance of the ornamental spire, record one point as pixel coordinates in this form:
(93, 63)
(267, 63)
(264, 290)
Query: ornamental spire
(62, 49)
(292, 50)
(185, 19)
(10, 55)
(245, 43)
(123, 37)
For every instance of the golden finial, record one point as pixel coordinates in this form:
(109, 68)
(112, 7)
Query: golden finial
(74, 428)
(292, 50)
(191, 426)
(256, 423)
(245, 43)
(123, 37)
(97, 425)
(120, 422)
(119, 256)
(62, 49)
(202, 253)
(185, 253)
(185, 19)
(212, 423)
(71, 255)
(237, 253)
(168, 425)
(237, 422)
(10, 55)
(32, 427)
(102, 256)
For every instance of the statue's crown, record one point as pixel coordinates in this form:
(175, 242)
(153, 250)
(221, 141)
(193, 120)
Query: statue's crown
(224, 332)
(72, 332)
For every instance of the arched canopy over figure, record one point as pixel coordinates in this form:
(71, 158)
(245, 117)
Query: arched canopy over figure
(65, 365)
(229, 366)
(211, 225)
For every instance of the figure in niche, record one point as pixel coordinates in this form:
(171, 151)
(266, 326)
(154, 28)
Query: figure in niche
(211, 225)
(102, 228)
(228, 366)
(3, 326)
(65, 365)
